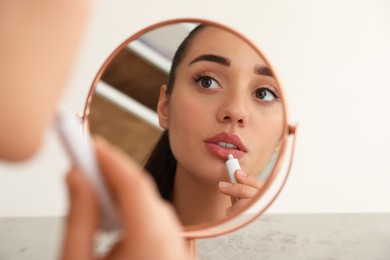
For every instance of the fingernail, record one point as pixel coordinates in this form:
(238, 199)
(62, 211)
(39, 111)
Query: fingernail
(223, 184)
(242, 173)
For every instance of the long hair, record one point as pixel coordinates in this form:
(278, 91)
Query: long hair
(161, 163)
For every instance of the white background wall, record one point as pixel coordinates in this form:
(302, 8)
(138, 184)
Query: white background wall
(333, 60)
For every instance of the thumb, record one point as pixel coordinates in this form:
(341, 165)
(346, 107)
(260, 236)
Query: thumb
(81, 222)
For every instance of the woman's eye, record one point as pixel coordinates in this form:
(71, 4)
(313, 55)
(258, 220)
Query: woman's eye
(266, 94)
(207, 82)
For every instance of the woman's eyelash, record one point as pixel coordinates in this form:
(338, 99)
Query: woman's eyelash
(201, 75)
(270, 88)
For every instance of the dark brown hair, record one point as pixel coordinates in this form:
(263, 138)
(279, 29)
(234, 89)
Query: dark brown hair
(161, 163)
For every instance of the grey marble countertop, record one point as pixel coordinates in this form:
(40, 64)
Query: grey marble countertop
(281, 236)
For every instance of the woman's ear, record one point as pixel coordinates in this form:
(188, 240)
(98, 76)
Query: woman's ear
(163, 107)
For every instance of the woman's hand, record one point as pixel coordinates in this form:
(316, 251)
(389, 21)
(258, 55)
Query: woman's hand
(150, 228)
(241, 192)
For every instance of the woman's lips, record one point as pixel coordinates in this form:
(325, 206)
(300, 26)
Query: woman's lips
(223, 144)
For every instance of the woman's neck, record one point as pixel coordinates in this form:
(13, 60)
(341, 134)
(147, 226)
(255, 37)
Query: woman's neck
(196, 202)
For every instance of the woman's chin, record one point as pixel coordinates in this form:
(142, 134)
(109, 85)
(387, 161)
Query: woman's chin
(20, 149)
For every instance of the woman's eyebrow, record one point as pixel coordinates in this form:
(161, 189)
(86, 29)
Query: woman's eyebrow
(259, 69)
(263, 70)
(213, 58)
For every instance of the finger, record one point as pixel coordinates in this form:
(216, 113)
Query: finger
(81, 222)
(237, 207)
(237, 190)
(244, 178)
(165, 244)
(233, 200)
(139, 204)
(125, 178)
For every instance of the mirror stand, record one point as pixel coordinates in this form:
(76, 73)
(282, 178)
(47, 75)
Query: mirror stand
(192, 248)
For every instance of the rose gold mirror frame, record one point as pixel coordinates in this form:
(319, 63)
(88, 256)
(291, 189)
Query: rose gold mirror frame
(274, 183)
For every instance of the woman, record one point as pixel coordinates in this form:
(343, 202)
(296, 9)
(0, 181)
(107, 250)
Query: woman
(34, 36)
(220, 98)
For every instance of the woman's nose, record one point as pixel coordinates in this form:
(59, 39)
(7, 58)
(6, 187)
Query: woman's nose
(233, 110)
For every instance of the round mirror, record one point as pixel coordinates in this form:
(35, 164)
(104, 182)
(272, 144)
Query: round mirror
(181, 97)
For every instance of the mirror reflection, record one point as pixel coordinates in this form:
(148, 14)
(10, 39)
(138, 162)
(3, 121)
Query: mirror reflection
(180, 99)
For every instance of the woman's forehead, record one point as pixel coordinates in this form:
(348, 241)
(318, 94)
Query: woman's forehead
(221, 42)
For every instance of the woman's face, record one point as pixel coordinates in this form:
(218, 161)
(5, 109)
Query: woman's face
(38, 42)
(224, 100)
